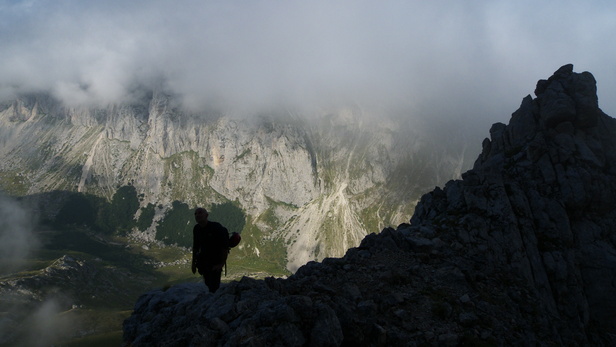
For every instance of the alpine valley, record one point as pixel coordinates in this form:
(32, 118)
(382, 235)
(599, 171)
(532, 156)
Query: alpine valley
(109, 193)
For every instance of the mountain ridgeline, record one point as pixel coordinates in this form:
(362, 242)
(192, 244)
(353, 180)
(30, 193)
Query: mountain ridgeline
(297, 180)
(521, 251)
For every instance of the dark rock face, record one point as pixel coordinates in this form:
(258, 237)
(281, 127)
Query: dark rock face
(521, 251)
(540, 204)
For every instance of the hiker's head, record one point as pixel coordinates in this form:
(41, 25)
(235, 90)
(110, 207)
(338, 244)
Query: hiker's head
(201, 215)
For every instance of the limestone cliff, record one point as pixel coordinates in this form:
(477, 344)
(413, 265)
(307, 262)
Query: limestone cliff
(301, 179)
(520, 251)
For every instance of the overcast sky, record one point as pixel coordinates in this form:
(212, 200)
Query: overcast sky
(453, 58)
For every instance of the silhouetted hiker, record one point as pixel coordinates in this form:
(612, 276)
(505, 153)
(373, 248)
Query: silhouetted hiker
(210, 249)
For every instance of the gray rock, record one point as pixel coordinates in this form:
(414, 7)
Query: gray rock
(468, 319)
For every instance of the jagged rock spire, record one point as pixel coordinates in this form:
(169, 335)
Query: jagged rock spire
(540, 204)
(568, 97)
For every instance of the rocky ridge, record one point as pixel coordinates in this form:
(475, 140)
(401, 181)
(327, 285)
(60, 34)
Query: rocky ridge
(71, 278)
(520, 251)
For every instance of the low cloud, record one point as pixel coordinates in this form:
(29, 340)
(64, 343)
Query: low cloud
(41, 324)
(17, 238)
(450, 58)
(46, 325)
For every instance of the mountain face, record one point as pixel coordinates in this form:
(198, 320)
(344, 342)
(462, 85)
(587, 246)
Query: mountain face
(541, 197)
(300, 179)
(520, 251)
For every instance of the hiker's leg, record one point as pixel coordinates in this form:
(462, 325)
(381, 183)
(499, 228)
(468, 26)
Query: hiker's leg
(212, 280)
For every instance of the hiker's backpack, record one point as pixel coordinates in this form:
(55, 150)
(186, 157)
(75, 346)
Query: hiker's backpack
(234, 240)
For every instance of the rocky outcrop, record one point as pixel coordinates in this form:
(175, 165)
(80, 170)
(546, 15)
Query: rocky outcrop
(540, 204)
(520, 251)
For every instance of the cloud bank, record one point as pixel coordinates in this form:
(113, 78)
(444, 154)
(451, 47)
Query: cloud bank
(459, 59)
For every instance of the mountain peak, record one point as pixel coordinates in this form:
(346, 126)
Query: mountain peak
(566, 106)
(568, 97)
(539, 202)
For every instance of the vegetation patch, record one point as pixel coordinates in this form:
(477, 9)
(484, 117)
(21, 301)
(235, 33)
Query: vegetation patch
(259, 252)
(229, 215)
(146, 217)
(14, 183)
(86, 210)
(176, 227)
